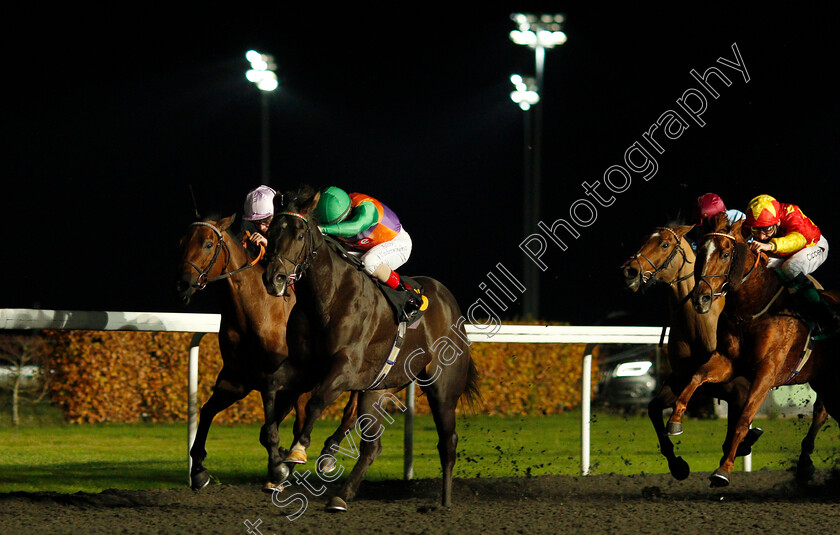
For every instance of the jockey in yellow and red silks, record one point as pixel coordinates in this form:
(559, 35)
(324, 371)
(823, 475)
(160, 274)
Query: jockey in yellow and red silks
(795, 246)
(372, 230)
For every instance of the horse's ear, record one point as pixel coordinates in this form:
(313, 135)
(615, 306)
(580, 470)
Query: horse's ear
(739, 263)
(225, 223)
(313, 202)
(735, 229)
(682, 230)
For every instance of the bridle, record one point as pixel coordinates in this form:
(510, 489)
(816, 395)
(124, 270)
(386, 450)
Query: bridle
(649, 277)
(727, 275)
(203, 274)
(306, 255)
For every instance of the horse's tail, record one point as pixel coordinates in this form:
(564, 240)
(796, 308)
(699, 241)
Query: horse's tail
(471, 394)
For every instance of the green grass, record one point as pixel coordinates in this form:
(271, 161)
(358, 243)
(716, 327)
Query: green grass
(91, 458)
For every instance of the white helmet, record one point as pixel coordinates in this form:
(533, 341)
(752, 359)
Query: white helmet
(259, 204)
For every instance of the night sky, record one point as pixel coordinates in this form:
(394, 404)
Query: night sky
(111, 118)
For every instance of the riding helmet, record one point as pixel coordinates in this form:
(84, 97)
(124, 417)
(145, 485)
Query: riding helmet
(763, 211)
(333, 206)
(259, 204)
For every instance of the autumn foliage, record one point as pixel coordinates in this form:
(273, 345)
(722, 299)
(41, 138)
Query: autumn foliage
(117, 376)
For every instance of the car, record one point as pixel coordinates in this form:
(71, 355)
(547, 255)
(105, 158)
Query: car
(629, 379)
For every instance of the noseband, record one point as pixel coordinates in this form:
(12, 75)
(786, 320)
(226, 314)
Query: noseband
(649, 277)
(203, 277)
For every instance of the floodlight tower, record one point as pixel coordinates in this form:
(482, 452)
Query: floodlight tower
(539, 32)
(263, 76)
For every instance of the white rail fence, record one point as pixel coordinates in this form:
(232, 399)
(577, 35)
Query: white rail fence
(200, 324)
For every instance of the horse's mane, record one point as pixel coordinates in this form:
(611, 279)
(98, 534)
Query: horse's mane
(294, 200)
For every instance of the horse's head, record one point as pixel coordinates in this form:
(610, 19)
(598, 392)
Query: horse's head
(721, 259)
(204, 255)
(657, 260)
(292, 239)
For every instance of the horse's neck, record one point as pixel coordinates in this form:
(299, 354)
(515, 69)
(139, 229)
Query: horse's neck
(687, 322)
(244, 292)
(755, 292)
(321, 279)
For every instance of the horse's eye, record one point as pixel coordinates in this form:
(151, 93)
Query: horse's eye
(300, 237)
(208, 244)
(665, 245)
(725, 255)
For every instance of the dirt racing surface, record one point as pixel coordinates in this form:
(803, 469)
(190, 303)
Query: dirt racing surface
(766, 501)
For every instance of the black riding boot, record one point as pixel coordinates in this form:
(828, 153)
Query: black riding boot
(811, 306)
(413, 303)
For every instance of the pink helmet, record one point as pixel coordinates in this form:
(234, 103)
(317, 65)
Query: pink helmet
(259, 204)
(709, 205)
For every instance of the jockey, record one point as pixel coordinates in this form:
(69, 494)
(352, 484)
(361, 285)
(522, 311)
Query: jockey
(372, 230)
(709, 205)
(795, 247)
(259, 211)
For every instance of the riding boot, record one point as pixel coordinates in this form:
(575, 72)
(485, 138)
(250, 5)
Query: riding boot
(414, 302)
(810, 304)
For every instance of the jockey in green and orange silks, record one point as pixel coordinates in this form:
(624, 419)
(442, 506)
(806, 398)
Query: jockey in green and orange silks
(371, 229)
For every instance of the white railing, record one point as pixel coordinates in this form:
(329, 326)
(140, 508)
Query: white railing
(200, 324)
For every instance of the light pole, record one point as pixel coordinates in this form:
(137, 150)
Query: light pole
(539, 32)
(263, 76)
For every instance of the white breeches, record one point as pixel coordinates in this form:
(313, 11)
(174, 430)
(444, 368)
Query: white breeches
(805, 261)
(393, 253)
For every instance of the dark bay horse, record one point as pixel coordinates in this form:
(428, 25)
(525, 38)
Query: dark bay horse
(252, 340)
(341, 332)
(666, 257)
(759, 335)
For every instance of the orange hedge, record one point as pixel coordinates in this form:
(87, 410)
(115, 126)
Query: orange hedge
(107, 376)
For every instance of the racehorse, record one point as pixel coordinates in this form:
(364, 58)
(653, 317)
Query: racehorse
(666, 257)
(252, 340)
(341, 332)
(759, 335)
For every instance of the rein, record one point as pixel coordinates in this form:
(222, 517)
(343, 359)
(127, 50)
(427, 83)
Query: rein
(649, 277)
(203, 278)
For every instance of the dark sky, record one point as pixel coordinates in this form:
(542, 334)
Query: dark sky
(110, 118)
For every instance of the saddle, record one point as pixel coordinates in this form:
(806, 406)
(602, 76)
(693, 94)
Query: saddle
(396, 298)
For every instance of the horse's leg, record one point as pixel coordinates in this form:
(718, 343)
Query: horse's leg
(322, 396)
(761, 384)
(348, 420)
(275, 406)
(664, 399)
(225, 394)
(718, 369)
(804, 466)
(369, 449)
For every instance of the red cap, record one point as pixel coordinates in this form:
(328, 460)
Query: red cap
(709, 205)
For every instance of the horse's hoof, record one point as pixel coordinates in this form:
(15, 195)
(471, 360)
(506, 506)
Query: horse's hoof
(673, 429)
(296, 457)
(745, 447)
(336, 505)
(274, 487)
(199, 480)
(679, 468)
(719, 478)
(805, 471)
(327, 465)
(279, 473)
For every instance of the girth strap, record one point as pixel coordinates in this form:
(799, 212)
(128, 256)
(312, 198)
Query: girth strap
(392, 357)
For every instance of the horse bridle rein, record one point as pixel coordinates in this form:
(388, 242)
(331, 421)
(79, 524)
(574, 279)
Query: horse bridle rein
(649, 277)
(203, 274)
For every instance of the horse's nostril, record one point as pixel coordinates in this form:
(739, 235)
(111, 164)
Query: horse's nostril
(631, 273)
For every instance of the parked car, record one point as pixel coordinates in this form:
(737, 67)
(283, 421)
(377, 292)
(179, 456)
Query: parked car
(628, 379)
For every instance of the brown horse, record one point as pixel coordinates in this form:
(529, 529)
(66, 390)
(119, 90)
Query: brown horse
(667, 258)
(342, 331)
(252, 340)
(759, 335)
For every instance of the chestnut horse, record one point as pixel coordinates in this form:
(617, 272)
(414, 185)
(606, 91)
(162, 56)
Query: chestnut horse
(759, 335)
(252, 340)
(342, 330)
(666, 257)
